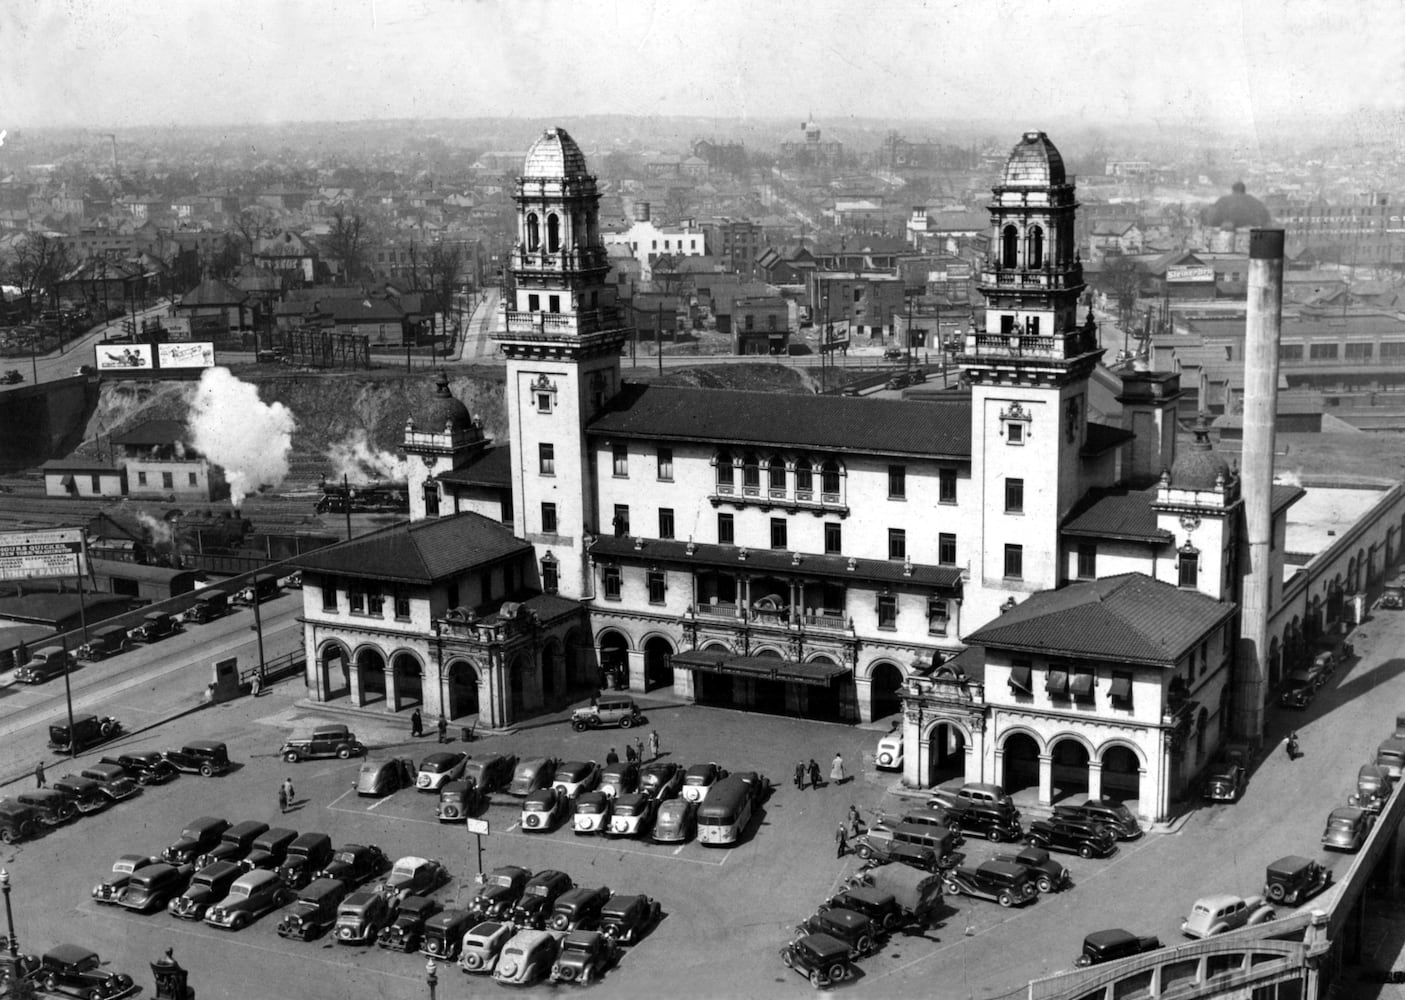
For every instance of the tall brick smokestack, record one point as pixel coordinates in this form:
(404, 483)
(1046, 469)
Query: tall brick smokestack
(1262, 333)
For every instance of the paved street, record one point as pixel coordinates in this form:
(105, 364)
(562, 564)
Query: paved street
(727, 912)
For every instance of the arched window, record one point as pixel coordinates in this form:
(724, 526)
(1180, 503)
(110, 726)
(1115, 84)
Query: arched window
(776, 474)
(804, 482)
(553, 233)
(751, 471)
(829, 477)
(534, 232)
(724, 468)
(1009, 247)
(1036, 248)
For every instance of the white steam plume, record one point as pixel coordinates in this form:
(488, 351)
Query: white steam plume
(233, 428)
(356, 459)
(161, 533)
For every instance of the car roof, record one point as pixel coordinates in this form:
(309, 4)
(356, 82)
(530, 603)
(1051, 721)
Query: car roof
(415, 904)
(1289, 864)
(447, 918)
(70, 954)
(309, 838)
(320, 889)
(410, 861)
(1004, 868)
(620, 904)
(1218, 900)
(828, 947)
(219, 869)
(256, 877)
(528, 939)
(244, 828)
(1351, 813)
(1108, 938)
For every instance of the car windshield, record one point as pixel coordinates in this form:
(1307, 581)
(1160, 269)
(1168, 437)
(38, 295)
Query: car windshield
(537, 805)
(503, 880)
(437, 765)
(239, 890)
(125, 867)
(1342, 823)
(570, 945)
(403, 871)
(590, 806)
(345, 857)
(629, 808)
(512, 952)
(697, 779)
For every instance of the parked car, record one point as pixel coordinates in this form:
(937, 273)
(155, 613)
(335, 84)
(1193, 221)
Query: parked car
(444, 933)
(661, 780)
(44, 663)
(1391, 755)
(196, 838)
(619, 778)
(314, 911)
(592, 813)
(918, 894)
(153, 886)
(614, 710)
(893, 354)
(12, 376)
(994, 821)
(1347, 828)
(113, 781)
(269, 849)
(1393, 595)
(502, 888)
(457, 801)
(306, 856)
(1297, 695)
(583, 958)
(438, 768)
(234, 843)
(575, 777)
(878, 846)
(381, 777)
(1109, 813)
(854, 929)
(52, 808)
(544, 810)
(1087, 840)
(208, 606)
(531, 775)
(154, 627)
(1006, 884)
(412, 876)
(1293, 879)
(945, 836)
(361, 916)
(578, 909)
(204, 757)
(1048, 874)
(483, 943)
(251, 896)
(1217, 914)
(820, 958)
(699, 779)
(628, 918)
(17, 822)
(123, 869)
(526, 958)
(491, 773)
(77, 971)
(104, 642)
(631, 814)
(539, 898)
(971, 793)
(324, 741)
(890, 756)
(86, 794)
(1373, 788)
(1225, 782)
(208, 885)
(406, 930)
(87, 731)
(675, 821)
(149, 768)
(1110, 945)
(355, 863)
(879, 906)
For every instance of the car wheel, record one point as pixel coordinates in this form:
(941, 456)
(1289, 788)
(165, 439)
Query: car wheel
(1031, 842)
(106, 729)
(865, 852)
(1005, 899)
(343, 753)
(1046, 884)
(291, 756)
(836, 973)
(993, 835)
(1085, 851)
(626, 722)
(1276, 893)
(51, 982)
(94, 994)
(206, 771)
(864, 944)
(7, 836)
(239, 923)
(890, 922)
(816, 979)
(786, 958)
(579, 727)
(559, 922)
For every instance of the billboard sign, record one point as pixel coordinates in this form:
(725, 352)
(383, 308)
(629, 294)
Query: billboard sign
(176, 327)
(37, 555)
(194, 354)
(123, 357)
(958, 272)
(1188, 273)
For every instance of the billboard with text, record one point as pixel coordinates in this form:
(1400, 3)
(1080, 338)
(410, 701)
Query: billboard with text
(34, 555)
(123, 357)
(194, 354)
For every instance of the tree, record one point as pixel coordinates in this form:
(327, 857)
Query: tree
(253, 224)
(39, 262)
(1123, 279)
(347, 243)
(226, 260)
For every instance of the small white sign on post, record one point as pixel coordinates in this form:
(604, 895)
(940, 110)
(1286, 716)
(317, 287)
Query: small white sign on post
(478, 826)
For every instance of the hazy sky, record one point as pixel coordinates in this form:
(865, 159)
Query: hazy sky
(134, 62)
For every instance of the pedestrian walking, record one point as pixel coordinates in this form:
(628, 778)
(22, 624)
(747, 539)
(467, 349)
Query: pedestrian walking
(288, 789)
(856, 823)
(282, 799)
(39, 775)
(836, 769)
(416, 723)
(443, 730)
(629, 753)
(639, 751)
(612, 757)
(815, 779)
(1293, 745)
(800, 775)
(841, 841)
(654, 745)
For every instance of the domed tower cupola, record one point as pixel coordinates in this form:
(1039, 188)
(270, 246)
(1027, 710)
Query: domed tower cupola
(1034, 162)
(444, 437)
(442, 413)
(1198, 506)
(1200, 468)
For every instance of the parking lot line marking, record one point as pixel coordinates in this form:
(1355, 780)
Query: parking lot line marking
(378, 803)
(678, 849)
(333, 803)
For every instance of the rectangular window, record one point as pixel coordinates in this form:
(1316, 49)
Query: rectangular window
(548, 518)
(1088, 561)
(534, 303)
(887, 611)
(1014, 433)
(375, 602)
(656, 586)
(141, 478)
(431, 499)
(356, 599)
(937, 616)
(1189, 570)
(402, 604)
(897, 543)
(611, 582)
(329, 594)
(1358, 352)
(775, 477)
(451, 595)
(1322, 352)
(1014, 562)
(543, 402)
(1294, 352)
(778, 533)
(1120, 690)
(665, 522)
(1014, 496)
(168, 480)
(946, 549)
(546, 459)
(725, 534)
(191, 478)
(621, 460)
(666, 464)
(1392, 349)
(804, 480)
(833, 538)
(1021, 677)
(621, 520)
(946, 489)
(1080, 685)
(897, 482)
(550, 576)
(553, 303)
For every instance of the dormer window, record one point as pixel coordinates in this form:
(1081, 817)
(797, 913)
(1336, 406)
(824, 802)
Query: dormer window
(1188, 567)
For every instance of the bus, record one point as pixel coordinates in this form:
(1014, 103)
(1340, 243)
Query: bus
(726, 811)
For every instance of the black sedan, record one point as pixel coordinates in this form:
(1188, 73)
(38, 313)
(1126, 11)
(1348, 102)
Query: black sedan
(355, 863)
(1087, 840)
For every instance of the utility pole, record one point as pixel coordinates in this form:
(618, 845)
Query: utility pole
(658, 336)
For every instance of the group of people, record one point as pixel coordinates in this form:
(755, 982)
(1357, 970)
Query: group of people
(851, 827)
(812, 772)
(634, 752)
(417, 726)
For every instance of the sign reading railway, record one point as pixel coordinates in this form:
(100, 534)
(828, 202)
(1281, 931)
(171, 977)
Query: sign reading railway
(35, 555)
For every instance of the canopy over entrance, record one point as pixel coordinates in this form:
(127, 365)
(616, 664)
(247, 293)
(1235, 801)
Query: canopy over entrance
(821, 673)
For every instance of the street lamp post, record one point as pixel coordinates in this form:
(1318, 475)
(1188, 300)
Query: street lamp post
(13, 947)
(431, 974)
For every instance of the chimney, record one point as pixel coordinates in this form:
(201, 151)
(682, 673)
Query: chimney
(641, 211)
(1265, 325)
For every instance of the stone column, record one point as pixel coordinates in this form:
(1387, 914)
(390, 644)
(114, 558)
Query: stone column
(863, 692)
(1046, 779)
(1095, 779)
(392, 688)
(356, 689)
(635, 661)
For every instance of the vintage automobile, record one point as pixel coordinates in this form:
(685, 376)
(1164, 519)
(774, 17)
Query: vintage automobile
(1374, 786)
(583, 958)
(17, 822)
(208, 606)
(113, 781)
(53, 808)
(1006, 884)
(44, 663)
(994, 821)
(251, 896)
(879, 906)
(87, 731)
(578, 909)
(820, 958)
(355, 863)
(1293, 879)
(526, 958)
(1297, 694)
(616, 779)
(660, 781)
(576, 777)
(1110, 945)
(305, 857)
(947, 835)
(592, 813)
(457, 801)
(198, 837)
(631, 814)
(878, 846)
(699, 779)
(675, 821)
(1048, 874)
(86, 794)
(1225, 782)
(324, 741)
(12, 376)
(1087, 840)
(1211, 915)
(628, 918)
(438, 768)
(314, 911)
(149, 768)
(269, 849)
(154, 627)
(532, 775)
(77, 971)
(153, 886)
(610, 710)
(502, 888)
(104, 642)
(857, 931)
(444, 932)
(483, 943)
(889, 756)
(939, 839)
(543, 810)
(207, 886)
(1105, 812)
(123, 869)
(235, 843)
(971, 793)
(407, 929)
(412, 876)
(491, 773)
(1393, 595)
(204, 757)
(918, 894)
(361, 916)
(1347, 828)
(539, 897)
(1391, 755)
(381, 777)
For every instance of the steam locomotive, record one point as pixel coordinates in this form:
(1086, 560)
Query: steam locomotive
(364, 498)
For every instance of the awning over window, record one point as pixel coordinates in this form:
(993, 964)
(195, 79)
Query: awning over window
(819, 674)
(1057, 682)
(1081, 685)
(67, 481)
(1020, 680)
(1121, 687)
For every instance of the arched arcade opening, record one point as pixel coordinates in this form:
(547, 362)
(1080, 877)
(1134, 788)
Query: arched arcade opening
(1020, 757)
(658, 663)
(946, 754)
(885, 680)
